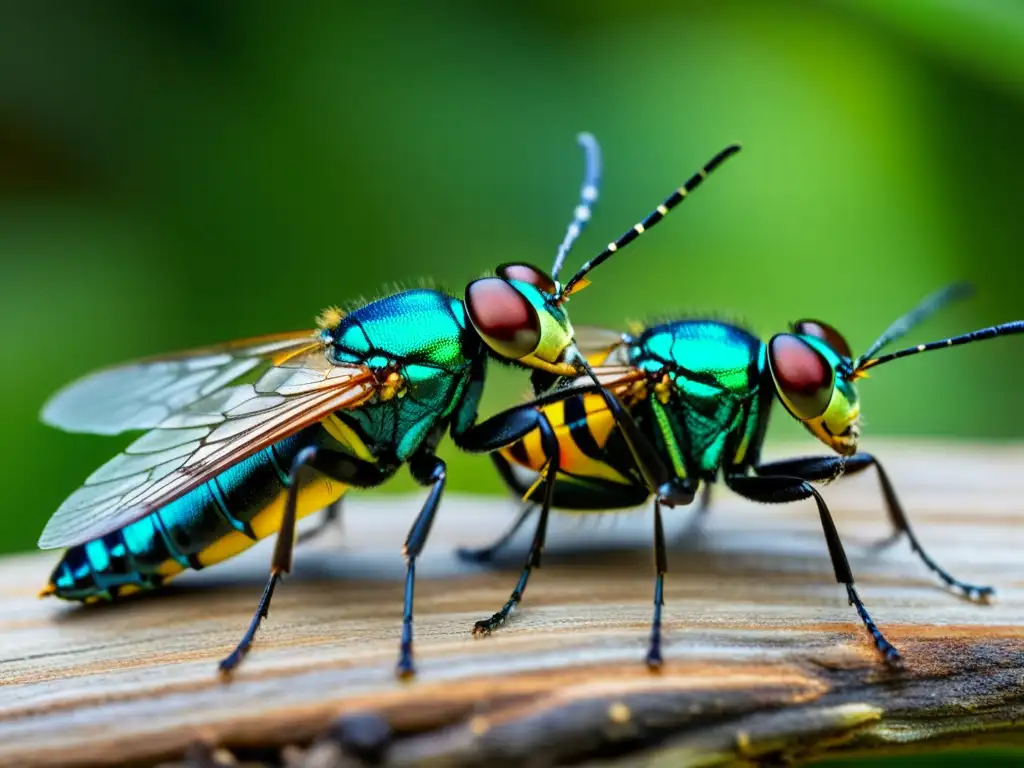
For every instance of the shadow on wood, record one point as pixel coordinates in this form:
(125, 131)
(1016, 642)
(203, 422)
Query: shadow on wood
(764, 658)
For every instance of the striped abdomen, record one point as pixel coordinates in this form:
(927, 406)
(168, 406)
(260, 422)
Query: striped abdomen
(211, 523)
(583, 425)
(595, 470)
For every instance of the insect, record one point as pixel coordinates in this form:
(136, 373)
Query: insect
(246, 437)
(700, 391)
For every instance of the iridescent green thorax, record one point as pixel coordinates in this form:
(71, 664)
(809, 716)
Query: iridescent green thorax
(711, 407)
(424, 337)
(705, 358)
(419, 326)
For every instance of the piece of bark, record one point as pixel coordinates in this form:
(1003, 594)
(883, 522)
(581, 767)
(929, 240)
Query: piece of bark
(764, 658)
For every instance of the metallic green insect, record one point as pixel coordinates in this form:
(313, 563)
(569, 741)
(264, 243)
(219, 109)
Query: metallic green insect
(700, 393)
(246, 437)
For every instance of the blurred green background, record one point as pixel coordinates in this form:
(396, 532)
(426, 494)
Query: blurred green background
(177, 173)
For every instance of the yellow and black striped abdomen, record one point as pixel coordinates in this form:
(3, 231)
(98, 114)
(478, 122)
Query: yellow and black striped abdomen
(583, 425)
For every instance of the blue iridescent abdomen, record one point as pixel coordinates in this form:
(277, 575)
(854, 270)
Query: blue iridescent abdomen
(206, 525)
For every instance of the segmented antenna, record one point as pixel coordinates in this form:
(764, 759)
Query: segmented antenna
(588, 196)
(927, 307)
(657, 215)
(1006, 329)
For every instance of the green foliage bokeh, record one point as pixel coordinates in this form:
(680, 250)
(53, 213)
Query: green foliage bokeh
(181, 173)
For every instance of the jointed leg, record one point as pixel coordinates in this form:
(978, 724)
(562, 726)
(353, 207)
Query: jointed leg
(652, 468)
(426, 469)
(486, 554)
(281, 562)
(660, 567)
(781, 489)
(549, 442)
(505, 428)
(827, 467)
(509, 426)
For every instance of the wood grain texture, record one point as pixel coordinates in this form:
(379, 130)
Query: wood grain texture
(764, 658)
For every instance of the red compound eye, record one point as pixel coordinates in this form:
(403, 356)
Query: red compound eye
(527, 274)
(826, 333)
(803, 377)
(503, 317)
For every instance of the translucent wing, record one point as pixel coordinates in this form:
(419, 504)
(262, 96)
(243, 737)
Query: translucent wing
(590, 338)
(199, 441)
(617, 379)
(141, 395)
(599, 344)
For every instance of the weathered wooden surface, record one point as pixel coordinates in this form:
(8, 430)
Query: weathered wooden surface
(764, 656)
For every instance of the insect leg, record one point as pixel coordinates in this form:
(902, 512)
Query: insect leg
(498, 431)
(656, 476)
(426, 469)
(549, 444)
(486, 554)
(655, 473)
(509, 426)
(782, 489)
(660, 567)
(331, 516)
(281, 562)
(826, 467)
(340, 467)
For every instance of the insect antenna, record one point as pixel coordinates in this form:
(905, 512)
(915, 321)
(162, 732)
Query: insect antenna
(927, 307)
(1006, 329)
(588, 196)
(655, 216)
